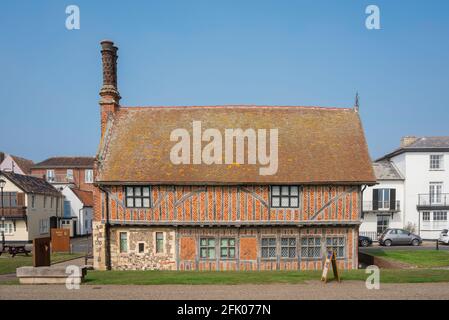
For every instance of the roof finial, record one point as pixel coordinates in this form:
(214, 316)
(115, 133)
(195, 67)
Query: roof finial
(356, 105)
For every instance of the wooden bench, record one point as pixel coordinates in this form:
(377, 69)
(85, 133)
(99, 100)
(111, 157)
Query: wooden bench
(14, 250)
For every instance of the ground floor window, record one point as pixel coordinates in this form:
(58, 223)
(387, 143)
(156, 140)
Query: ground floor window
(288, 247)
(8, 228)
(337, 244)
(141, 247)
(159, 242)
(268, 248)
(426, 216)
(311, 247)
(44, 225)
(123, 242)
(439, 216)
(207, 248)
(227, 248)
(382, 223)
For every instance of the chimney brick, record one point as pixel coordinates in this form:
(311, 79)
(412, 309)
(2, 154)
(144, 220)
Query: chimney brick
(110, 96)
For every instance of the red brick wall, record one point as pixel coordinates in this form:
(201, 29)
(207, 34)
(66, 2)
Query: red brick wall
(78, 176)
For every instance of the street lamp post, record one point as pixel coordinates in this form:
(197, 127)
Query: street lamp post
(2, 185)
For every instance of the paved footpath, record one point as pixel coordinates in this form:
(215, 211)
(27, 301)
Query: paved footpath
(308, 290)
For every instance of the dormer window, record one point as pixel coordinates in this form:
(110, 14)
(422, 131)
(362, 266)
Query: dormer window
(284, 196)
(436, 162)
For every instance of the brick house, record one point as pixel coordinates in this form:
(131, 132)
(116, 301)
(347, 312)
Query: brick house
(150, 213)
(61, 171)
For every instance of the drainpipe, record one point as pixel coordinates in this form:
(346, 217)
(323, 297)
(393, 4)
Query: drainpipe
(361, 201)
(107, 240)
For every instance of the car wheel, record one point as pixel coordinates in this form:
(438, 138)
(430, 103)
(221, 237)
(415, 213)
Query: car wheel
(415, 242)
(387, 243)
(364, 243)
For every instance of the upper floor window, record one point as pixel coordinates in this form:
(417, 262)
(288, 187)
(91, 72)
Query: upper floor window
(88, 176)
(284, 196)
(69, 174)
(384, 199)
(33, 198)
(50, 175)
(138, 197)
(45, 201)
(435, 192)
(436, 162)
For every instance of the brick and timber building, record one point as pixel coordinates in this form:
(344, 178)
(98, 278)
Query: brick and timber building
(150, 213)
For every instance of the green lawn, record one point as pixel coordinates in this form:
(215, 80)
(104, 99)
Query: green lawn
(9, 265)
(418, 258)
(263, 277)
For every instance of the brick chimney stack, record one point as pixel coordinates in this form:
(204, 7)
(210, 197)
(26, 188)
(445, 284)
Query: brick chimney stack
(110, 96)
(408, 140)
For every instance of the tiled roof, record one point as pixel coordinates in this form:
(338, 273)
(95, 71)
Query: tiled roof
(86, 197)
(421, 144)
(66, 162)
(31, 184)
(385, 170)
(316, 145)
(24, 164)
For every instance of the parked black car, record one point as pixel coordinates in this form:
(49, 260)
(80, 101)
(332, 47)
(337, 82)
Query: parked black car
(365, 241)
(399, 237)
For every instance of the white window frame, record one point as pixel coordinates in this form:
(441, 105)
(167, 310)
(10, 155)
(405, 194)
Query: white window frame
(69, 174)
(439, 215)
(434, 160)
(381, 202)
(44, 225)
(89, 176)
(9, 228)
(435, 192)
(50, 175)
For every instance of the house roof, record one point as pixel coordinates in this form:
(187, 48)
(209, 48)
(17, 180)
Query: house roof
(66, 162)
(31, 184)
(421, 144)
(316, 146)
(386, 170)
(24, 164)
(86, 197)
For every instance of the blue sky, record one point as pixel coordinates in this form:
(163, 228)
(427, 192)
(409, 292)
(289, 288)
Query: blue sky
(221, 52)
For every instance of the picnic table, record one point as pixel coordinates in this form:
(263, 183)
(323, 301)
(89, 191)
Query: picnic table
(13, 250)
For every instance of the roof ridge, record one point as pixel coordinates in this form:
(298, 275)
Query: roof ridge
(249, 106)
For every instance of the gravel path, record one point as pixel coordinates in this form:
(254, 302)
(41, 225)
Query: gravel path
(308, 290)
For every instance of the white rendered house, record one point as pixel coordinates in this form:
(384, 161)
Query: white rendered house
(383, 203)
(423, 162)
(77, 215)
